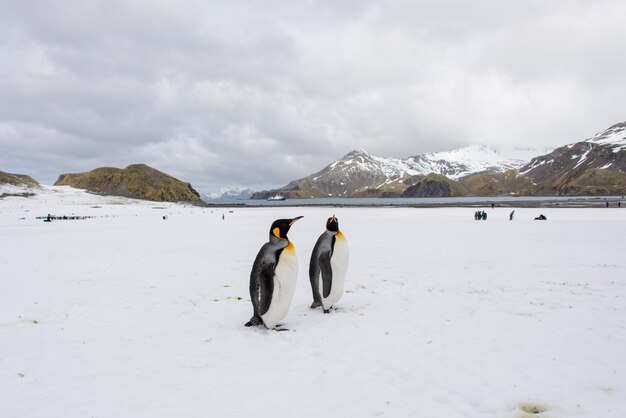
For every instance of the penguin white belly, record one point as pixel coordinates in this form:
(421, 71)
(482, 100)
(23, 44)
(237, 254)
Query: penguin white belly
(285, 275)
(339, 267)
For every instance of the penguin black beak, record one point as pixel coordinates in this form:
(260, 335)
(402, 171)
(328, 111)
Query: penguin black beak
(295, 219)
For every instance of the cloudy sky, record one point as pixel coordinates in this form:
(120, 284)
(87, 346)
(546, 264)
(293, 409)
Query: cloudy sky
(258, 93)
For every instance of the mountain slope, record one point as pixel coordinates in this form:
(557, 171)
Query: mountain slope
(562, 171)
(137, 181)
(495, 184)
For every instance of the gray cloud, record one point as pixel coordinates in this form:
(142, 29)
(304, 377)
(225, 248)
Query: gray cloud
(259, 93)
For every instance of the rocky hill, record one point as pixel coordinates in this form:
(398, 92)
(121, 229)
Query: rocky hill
(17, 180)
(17, 184)
(594, 166)
(137, 181)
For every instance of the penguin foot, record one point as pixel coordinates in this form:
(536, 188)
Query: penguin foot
(316, 304)
(326, 310)
(254, 321)
(279, 327)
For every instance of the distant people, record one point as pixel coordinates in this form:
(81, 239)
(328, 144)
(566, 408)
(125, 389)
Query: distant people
(511, 215)
(480, 215)
(619, 204)
(541, 218)
(607, 204)
(493, 205)
(222, 216)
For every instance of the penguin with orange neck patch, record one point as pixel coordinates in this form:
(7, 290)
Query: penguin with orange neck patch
(273, 277)
(329, 266)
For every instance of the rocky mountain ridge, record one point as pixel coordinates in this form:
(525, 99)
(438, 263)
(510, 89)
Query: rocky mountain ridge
(361, 174)
(594, 166)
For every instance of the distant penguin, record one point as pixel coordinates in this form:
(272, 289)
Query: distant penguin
(273, 276)
(328, 266)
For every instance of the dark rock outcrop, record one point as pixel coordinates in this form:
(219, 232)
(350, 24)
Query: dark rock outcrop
(435, 185)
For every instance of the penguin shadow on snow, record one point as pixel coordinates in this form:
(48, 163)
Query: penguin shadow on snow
(275, 270)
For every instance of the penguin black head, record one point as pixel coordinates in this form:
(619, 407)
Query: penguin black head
(332, 224)
(280, 227)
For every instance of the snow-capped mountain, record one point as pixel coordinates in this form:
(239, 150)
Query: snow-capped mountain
(461, 162)
(596, 165)
(356, 171)
(613, 137)
(359, 173)
(359, 170)
(229, 194)
(605, 150)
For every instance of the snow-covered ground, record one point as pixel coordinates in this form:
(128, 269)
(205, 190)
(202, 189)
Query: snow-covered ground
(130, 315)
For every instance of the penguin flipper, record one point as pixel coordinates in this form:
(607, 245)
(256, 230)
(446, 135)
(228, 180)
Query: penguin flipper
(261, 285)
(327, 274)
(266, 284)
(314, 275)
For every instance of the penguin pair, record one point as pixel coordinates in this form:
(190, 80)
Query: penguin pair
(275, 270)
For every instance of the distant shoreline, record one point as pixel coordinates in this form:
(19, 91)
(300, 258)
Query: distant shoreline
(470, 202)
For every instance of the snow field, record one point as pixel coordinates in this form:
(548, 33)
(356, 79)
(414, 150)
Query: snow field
(127, 314)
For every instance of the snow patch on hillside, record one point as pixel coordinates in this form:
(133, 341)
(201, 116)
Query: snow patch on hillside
(615, 136)
(467, 160)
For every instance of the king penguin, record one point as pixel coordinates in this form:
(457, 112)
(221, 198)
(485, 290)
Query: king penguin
(273, 276)
(329, 262)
